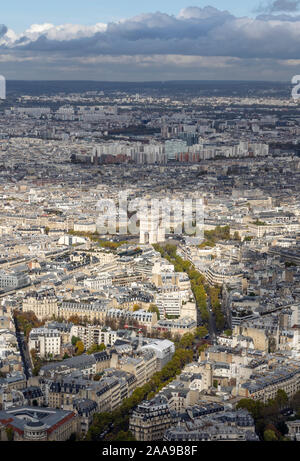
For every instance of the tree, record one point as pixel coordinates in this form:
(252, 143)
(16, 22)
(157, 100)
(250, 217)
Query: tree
(187, 340)
(214, 293)
(259, 223)
(74, 340)
(74, 319)
(123, 436)
(167, 335)
(36, 369)
(281, 398)
(96, 348)
(272, 344)
(268, 420)
(26, 321)
(270, 436)
(254, 407)
(220, 320)
(295, 403)
(153, 308)
(9, 434)
(33, 353)
(228, 333)
(236, 236)
(176, 338)
(79, 347)
(202, 348)
(219, 233)
(72, 437)
(201, 332)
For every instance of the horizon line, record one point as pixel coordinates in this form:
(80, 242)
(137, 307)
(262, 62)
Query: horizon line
(149, 81)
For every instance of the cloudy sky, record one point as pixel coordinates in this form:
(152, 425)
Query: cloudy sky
(157, 40)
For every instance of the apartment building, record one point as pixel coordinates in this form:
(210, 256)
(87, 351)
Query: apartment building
(142, 367)
(44, 304)
(176, 326)
(91, 334)
(85, 226)
(46, 342)
(124, 279)
(169, 304)
(13, 280)
(264, 386)
(85, 363)
(217, 273)
(212, 424)
(144, 318)
(88, 311)
(151, 419)
(85, 410)
(164, 350)
(99, 282)
(259, 336)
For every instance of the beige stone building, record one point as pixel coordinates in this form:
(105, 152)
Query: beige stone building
(259, 336)
(86, 311)
(150, 420)
(43, 304)
(142, 367)
(265, 386)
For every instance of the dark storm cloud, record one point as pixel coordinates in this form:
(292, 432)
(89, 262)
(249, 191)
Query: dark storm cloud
(279, 6)
(3, 30)
(278, 17)
(285, 5)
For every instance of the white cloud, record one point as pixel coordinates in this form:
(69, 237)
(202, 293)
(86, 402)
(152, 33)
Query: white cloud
(196, 37)
(203, 32)
(64, 32)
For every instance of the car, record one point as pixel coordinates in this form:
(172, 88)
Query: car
(287, 412)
